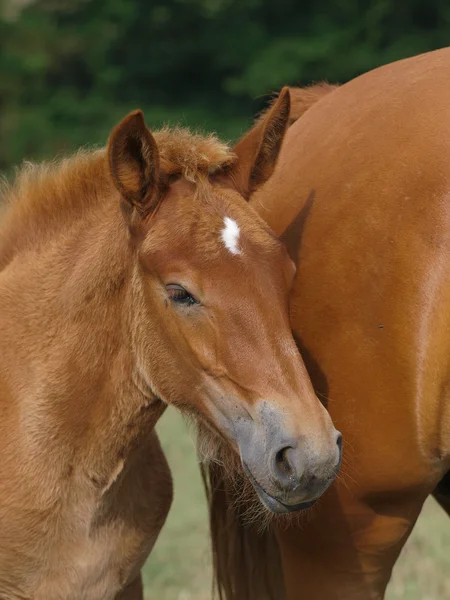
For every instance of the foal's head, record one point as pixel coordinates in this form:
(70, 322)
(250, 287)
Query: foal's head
(210, 314)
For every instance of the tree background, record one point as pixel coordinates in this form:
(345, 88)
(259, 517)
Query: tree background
(69, 69)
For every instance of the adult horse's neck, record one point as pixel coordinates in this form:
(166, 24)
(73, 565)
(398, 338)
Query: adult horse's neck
(68, 369)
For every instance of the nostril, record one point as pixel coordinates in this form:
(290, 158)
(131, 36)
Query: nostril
(282, 462)
(339, 441)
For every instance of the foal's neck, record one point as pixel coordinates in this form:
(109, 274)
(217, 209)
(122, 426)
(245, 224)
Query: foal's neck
(68, 307)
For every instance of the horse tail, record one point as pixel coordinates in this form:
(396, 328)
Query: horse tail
(302, 98)
(246, 561)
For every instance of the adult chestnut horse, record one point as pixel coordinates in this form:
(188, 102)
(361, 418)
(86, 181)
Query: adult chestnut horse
(361, 197)
(133, 278)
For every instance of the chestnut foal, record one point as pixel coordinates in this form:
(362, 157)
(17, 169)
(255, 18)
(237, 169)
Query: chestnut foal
(130, 279)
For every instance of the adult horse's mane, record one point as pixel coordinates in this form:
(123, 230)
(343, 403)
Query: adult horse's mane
(49, 196)
(301, 100)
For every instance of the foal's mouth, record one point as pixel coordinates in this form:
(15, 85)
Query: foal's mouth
(272, 503)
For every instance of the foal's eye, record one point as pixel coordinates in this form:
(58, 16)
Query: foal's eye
(179, 295)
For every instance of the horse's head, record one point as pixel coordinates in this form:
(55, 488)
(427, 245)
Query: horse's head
(210, 288)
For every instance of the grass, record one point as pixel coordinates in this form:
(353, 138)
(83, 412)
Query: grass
(179, 567)
(423, 570)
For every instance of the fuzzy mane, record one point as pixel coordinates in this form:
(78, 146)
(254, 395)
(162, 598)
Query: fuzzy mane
(190, 154)
(49, 196)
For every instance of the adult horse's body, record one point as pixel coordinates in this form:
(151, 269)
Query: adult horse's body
(129, 279)
(361, 197)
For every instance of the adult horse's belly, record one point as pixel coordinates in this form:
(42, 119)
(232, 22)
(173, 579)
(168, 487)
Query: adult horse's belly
(361, 196)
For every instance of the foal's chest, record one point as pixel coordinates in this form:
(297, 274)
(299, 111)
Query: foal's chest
(106, 543)
(94, 568)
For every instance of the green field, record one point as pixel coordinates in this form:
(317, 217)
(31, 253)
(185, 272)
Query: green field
(179, 567)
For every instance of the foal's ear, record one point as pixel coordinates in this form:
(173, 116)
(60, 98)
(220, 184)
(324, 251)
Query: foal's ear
(134, 163)
(257, 152)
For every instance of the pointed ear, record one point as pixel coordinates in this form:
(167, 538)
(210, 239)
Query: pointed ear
(134, 163)
(257, 152)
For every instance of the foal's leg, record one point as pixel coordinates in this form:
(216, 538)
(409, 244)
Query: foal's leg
(133, 591)
(143, 501)
(347, 548)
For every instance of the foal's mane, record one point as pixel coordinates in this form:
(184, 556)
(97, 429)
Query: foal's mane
(49, 196)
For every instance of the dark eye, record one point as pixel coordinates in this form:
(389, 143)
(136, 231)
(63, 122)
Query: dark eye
(179, 295)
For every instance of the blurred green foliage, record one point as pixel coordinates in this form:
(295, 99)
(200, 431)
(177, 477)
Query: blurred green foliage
(70, 68)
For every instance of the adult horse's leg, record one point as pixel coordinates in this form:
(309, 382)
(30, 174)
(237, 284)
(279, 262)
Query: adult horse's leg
(347, 549)
(134, 591)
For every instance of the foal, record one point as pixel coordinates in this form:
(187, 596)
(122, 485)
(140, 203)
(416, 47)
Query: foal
(133, 278)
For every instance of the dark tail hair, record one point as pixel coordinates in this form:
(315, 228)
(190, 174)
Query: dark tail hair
(246, 560)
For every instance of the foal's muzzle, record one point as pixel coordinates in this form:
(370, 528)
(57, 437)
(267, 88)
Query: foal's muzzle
(289, 473)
